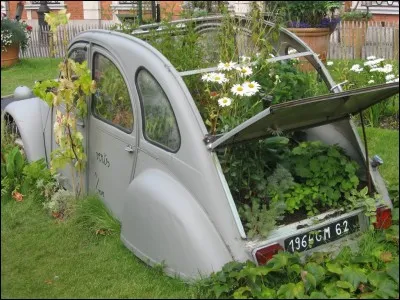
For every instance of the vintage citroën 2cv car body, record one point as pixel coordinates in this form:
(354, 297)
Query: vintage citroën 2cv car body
(168, 190)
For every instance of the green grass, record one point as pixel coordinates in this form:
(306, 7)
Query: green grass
(26, 72)
(45, 258)
(385, 143)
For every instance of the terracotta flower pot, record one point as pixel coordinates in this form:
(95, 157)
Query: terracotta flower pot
(317, 39)
(10, 55)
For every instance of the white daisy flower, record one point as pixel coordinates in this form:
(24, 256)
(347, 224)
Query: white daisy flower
(355, 67)
(251, 88)
(224, 101)
(371, 81)
(238, 90)
(329, 63)
(206, 77)
(370, 63)
(390, 77)
(388, 68)
(226, 66)
(371, 57)
(218, 77)
(244, 71)
(292, 51)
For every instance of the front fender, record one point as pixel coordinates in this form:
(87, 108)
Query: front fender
(27, 115)
(162, 222)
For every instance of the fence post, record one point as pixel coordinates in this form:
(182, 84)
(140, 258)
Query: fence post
(395, 42)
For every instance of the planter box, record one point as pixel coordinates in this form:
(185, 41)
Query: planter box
(10, 55)
(317, 39)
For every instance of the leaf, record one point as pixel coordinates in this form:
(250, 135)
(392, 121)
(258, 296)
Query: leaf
(345, 285)
(220, 289)
(354, 275)
(267, 293)
(333, 291)
(239, 293)
(334, 268)
(316, 270)
(309, 280)
(388, 289)
(318, 295)
(279, 261)
(376, 278)
(291, 291)
(393, 271)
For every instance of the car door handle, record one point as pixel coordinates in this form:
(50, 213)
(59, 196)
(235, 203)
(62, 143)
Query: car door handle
(129, 149)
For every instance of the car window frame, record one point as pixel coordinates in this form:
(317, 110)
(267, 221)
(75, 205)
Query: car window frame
(155, 143)
(93, 101)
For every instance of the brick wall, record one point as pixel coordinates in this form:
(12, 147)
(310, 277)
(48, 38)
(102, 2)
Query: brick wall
(13, 9)
(75, 8)
(106, 11)
(168, 7)
(386, 18)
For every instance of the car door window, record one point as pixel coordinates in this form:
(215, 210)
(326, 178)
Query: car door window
(111, 102)
(160, 126)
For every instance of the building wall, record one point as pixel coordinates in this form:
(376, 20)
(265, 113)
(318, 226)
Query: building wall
(82, 11)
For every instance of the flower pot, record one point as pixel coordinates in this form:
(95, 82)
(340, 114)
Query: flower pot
(353, 34)
(317, 39)
(10, 55)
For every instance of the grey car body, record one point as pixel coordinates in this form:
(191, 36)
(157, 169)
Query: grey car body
(175, 207)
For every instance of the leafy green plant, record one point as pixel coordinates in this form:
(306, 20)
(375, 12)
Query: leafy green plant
(369, 272)
(11, 172)
(356, 15)
(324, 174)
(364, 73)
(260, 219)
(280, 182)
(14, 32)
(306, 13)
(60, 205)
(70, 92)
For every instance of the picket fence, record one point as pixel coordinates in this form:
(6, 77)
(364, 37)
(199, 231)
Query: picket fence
(346, 42)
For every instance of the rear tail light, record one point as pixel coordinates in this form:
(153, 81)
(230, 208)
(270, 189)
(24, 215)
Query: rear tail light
(265, 254)
(383, 218)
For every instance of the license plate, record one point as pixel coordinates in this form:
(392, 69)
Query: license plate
(322, 235)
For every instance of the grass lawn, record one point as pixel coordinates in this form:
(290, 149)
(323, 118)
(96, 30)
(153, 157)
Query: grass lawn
(26, 72)
(385, 143)
(44, 258)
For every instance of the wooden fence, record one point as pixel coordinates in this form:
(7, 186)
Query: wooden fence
(350, 40)
(39, 43)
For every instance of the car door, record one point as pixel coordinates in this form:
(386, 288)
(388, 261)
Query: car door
(112, 139)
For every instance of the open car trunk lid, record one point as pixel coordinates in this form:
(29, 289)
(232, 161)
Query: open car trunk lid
(306, 113)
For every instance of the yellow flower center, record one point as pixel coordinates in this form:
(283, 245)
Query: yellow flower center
(217, 78)
(251, 85)
(240, 88)
(225, 101)
(244, 70)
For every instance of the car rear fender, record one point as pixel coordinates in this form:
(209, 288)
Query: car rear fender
(161, 213)
(30, 116)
